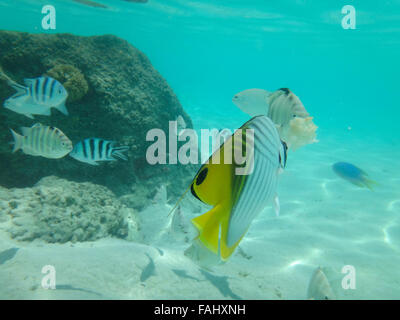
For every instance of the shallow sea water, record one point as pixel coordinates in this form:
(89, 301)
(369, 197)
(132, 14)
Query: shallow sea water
(207, 52)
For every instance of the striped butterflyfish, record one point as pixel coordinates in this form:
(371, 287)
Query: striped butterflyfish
(38, 96)
(237, 191)
(40, 140)
(92, 150)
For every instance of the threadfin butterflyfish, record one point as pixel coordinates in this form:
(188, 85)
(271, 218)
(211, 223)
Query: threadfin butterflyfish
(238, 191)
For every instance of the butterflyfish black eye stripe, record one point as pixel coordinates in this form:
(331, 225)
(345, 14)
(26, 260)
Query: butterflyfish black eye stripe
(202, 175)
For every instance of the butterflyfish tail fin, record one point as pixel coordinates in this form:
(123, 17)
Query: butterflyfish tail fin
(226, 251)
(209, 225)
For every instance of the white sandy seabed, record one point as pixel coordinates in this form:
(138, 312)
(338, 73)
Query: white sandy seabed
(324, 221)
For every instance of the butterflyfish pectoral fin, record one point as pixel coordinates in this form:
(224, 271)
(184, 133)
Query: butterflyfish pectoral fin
(209, 224)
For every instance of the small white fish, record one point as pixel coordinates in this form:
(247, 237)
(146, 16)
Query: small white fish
(254, 102)
(319, 287)
(37, 97)
(39, 140)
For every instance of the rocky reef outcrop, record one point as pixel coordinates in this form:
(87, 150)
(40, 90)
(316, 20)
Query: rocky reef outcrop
(57, 211)
(114, 93)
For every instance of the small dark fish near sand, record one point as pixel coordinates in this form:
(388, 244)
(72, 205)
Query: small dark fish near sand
(183, 274)
(91, 3)
(69, 287)
(148, 271)
(7, 255)
(221, 283)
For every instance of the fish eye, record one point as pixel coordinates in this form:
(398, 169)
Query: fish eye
(294, 116)
(326, 298)
(202, 175)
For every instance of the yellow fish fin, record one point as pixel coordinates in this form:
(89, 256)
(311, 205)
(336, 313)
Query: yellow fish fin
(227, 251)
(369, 183)
(209, 224)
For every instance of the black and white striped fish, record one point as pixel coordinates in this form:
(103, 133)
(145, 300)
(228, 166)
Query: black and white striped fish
(44, 141)
(37, 97)
(92, 150)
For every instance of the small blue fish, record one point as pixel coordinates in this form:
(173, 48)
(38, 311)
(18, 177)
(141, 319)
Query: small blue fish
(94, 149)
(353, 174)
(37, 97)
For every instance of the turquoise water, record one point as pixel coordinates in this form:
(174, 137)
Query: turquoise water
(208, 52)
(348, 81)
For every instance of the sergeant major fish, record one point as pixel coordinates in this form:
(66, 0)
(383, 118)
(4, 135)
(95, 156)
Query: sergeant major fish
(37, 97)
(45, 141)
(92, 150)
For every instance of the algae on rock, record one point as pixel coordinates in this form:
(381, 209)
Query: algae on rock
(72, 79)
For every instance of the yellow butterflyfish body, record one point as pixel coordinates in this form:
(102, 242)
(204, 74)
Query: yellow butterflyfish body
(238, 197)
